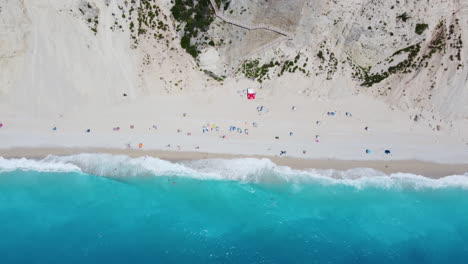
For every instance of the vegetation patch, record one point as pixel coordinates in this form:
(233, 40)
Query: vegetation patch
(90, 14)
(329, 62)
(253, 70)
(403, 17)
(458, 45)
(402, 67)
(420, 28)
(148, 22)
(195, 18)
(320, 55)
(437, 44)
(214, 76)
(291, 66)
(413, 60)
(144, 19)
(455, 42)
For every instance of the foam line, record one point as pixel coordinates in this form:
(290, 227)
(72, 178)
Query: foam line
(246, 170)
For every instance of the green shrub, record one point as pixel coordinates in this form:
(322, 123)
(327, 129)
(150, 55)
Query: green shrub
(420, 28)
(403, 17)
(196, 17)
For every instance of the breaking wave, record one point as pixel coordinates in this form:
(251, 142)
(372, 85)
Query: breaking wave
(247, 170)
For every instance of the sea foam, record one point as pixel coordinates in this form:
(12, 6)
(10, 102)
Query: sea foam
(247, 170)
(24, 164)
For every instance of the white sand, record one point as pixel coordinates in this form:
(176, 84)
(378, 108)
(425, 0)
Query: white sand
(341, 137)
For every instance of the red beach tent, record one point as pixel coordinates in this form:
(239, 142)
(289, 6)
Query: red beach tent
(250, 94)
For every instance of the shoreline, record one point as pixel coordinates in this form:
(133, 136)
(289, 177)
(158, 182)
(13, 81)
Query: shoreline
(428, 169)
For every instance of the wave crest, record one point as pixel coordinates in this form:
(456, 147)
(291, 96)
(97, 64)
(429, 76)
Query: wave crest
(248, 170)
(7, 165)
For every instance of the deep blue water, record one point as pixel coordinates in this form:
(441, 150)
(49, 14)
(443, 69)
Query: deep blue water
(75, 217)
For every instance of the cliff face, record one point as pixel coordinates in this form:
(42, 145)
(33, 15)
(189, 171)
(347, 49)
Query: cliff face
(411, 54)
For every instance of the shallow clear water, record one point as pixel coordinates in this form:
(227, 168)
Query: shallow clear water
(111, 209)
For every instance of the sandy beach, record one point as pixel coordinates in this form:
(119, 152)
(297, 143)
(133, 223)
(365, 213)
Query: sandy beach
(291, 130)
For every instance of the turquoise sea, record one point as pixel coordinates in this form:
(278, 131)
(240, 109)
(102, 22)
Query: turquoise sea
(98, 208)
